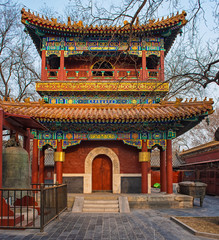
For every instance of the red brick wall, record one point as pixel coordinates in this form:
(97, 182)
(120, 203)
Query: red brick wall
(75, 156)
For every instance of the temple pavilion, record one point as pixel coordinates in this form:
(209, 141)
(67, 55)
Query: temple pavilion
(102, 104)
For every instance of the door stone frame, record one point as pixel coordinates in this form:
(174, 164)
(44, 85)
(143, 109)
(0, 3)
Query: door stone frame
(116, 184)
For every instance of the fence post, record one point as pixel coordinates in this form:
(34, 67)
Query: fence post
(57, 202)
(41, 207)
(66, 196)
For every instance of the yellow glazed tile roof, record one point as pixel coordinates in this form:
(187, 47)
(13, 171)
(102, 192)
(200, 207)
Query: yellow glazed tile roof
(144, 112)
(52, 24)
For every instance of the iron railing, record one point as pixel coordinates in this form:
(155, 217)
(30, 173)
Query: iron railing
(31, 208)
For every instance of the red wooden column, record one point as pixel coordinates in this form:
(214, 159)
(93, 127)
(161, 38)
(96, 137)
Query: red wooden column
(144, 73)
(162, 65)
(59, 158)
(149, 171)
(144, 158)
(1, 133)
(169, 167)
(35, 163)
(62, 65)
(43, 66)
(41, 167)
(162, 170)
(27, 142)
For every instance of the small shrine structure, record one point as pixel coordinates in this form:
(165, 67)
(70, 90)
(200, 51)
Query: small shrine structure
(102, 90)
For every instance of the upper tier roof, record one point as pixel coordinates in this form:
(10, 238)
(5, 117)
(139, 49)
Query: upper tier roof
(39, 26)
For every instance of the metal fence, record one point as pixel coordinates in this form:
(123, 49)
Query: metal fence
(31, 208)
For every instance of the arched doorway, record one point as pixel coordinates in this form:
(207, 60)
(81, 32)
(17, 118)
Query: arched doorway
(102, 173)
(116, 179)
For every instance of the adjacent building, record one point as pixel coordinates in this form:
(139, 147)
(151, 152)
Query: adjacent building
(201, 163)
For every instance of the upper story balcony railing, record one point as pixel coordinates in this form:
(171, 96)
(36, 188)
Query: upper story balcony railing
(103, 74)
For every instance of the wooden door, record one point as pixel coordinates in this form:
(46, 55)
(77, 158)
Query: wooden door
(211, 182)
(102, 173)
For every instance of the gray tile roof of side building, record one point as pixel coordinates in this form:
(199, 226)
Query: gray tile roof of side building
(155, 159)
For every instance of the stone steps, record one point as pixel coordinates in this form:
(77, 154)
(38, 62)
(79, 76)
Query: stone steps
(93, 201)
(101, 210)
(93, 205)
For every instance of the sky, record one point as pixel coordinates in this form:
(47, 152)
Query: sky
(57, 5)
(35, 5)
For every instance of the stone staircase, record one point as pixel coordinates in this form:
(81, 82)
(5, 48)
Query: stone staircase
(92, 205)
(101, 204)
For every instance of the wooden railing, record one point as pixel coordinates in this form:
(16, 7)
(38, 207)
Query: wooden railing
(102, 74)
(52, 74)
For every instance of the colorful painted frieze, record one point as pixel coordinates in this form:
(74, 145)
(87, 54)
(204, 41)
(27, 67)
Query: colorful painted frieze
(103, 86)
(76, 45)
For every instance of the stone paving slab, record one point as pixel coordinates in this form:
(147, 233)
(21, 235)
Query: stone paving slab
(138, 224)
(210, 208)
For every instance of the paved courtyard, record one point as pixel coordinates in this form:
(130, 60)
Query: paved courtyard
(139, 224)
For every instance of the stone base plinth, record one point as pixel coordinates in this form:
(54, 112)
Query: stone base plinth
(141, 201)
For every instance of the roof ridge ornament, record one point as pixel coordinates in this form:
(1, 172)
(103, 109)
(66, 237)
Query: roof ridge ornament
(69, 22)
(41, 101)
(27, 100)
(137, 22)
(80, 24)
(178, 101)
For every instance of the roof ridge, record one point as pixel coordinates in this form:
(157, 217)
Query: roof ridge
(200, 147)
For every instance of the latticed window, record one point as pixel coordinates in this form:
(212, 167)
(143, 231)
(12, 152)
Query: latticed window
(155, 158)
(49, 157)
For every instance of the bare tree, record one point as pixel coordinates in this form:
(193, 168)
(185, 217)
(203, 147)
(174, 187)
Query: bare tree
(188, 68)
(193, 68)
(202, 133)
(17, 61)
(49, 12)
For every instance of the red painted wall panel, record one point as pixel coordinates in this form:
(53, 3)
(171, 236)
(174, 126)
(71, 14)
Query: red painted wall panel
(155, 177)
(48, 173)
(70, 63)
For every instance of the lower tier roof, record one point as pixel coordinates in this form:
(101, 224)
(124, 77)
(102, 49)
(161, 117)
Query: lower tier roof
(163, 111)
